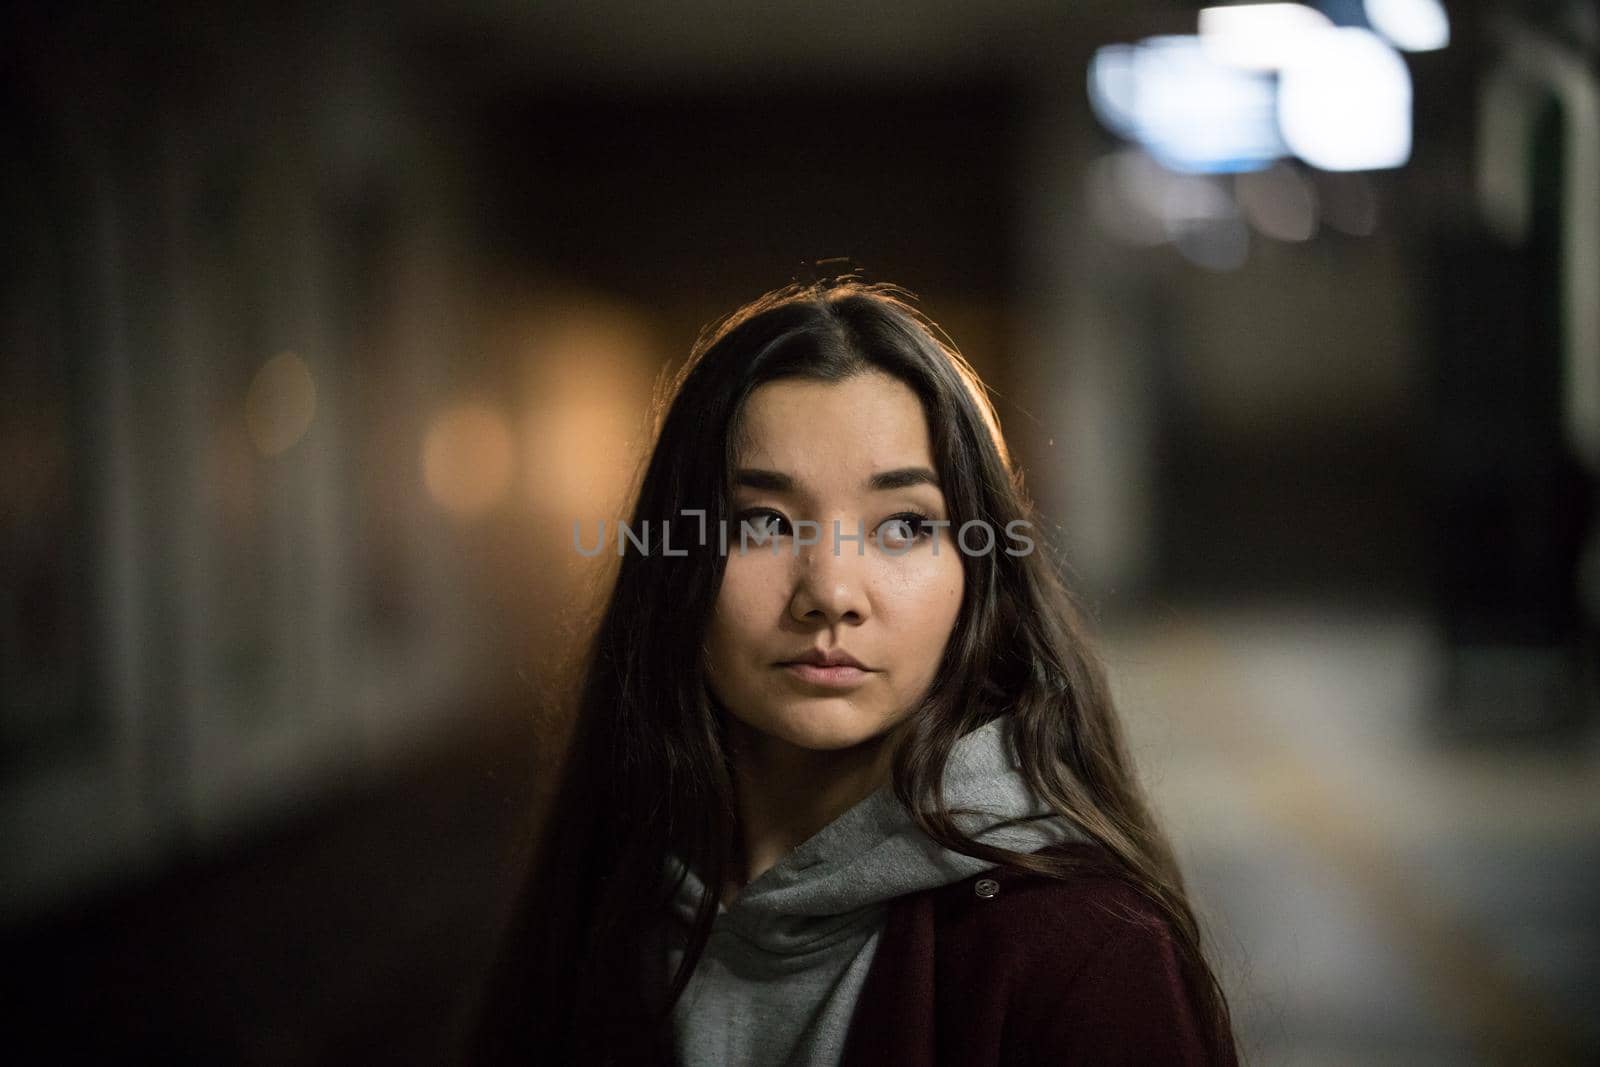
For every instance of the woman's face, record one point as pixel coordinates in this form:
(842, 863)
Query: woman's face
(857, 453)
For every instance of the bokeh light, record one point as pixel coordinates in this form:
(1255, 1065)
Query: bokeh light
(1262, 37)
(1279, 202)
(1347, 104)
(587, 380)
(467, 459)
(281, 404)
(1412, 25)
(1190, 112)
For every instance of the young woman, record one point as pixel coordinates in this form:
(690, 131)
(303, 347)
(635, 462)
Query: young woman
(846, 783)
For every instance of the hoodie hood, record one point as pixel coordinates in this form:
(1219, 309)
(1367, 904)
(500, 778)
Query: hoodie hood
(875, 852)
(784, 965)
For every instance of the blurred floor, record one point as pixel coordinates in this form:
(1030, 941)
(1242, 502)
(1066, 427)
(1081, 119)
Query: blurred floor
(1376, 897)
(356, 935)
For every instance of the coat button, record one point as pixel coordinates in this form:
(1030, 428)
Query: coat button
(986, 888)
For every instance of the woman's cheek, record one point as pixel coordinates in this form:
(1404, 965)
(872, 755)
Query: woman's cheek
(918, 578)
(934, 583)
(739, 579)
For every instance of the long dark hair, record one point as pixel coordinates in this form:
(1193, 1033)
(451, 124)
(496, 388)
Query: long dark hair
(647, 771)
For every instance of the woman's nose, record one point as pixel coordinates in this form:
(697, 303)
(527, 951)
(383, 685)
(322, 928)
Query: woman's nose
(829, 582)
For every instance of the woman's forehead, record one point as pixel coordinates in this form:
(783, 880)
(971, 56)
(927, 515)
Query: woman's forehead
(865, 424)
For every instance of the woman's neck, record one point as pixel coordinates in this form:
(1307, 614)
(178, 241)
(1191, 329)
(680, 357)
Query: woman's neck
(785, 793)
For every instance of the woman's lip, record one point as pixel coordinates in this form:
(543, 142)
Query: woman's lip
(840, 677)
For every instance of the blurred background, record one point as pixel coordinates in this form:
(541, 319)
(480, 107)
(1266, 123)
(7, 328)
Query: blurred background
(321, 323)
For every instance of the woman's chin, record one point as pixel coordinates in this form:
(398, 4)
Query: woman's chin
(825, 725)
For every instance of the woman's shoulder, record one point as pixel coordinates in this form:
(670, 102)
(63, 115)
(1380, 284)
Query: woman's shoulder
(1009, 966)
(1086, 967)
(1019, 912)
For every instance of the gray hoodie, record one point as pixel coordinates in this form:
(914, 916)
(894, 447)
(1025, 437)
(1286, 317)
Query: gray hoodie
(780, 976)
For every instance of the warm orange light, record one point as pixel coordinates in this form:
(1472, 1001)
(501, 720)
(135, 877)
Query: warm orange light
(467, 459)
(589, 378)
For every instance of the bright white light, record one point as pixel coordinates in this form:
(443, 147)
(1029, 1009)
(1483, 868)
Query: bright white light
(1113, 89)
(1414, 25)
(1190, 113)
(1346, 105)
(1260, 36)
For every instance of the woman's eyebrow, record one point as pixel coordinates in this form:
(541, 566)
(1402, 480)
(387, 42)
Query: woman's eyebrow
(778, 482)
(903, 478)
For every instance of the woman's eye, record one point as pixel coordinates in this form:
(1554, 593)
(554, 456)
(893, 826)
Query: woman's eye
(904, 529)
(765, 524)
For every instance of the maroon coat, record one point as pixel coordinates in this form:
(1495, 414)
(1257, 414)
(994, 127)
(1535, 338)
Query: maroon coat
(1008, 968)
